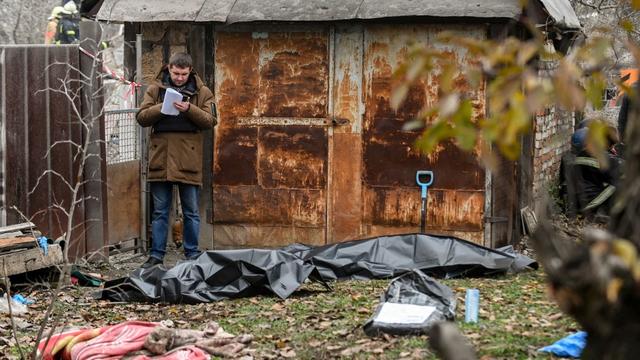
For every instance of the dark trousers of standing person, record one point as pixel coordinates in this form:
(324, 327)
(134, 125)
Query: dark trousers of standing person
(162, 194)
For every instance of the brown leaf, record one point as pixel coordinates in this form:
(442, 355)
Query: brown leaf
(363, 310)
(277, 307)
(288, 354)
(324, 324)
(555, 316)
(351, 351)
(342, 332)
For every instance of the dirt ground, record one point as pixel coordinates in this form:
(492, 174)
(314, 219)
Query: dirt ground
(516, 317)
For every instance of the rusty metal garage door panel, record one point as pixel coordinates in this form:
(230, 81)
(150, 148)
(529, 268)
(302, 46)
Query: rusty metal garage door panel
(392, 199)
(124, 201)
(270, 171)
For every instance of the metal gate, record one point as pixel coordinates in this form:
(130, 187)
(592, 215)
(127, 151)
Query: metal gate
(123, 138)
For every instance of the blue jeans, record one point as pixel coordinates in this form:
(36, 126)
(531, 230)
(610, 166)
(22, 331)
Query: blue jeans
(162, 193)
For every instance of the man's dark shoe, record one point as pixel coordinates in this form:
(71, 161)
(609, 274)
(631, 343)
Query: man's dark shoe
(151, 261)
(194, 256)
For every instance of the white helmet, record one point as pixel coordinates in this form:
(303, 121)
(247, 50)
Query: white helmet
(70, 8)
(56, 12)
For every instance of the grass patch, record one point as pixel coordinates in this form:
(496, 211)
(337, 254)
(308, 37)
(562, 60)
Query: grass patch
(515, 319)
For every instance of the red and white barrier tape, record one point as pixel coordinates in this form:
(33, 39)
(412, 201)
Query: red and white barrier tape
(113, 74)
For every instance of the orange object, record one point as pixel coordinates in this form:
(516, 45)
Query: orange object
(630, 76)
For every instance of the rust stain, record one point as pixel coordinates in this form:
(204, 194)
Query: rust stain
(294, 75)
(446, 209)
(391, 197)
(268, 207)
(256, 236)
(389, 155)
(237, 78)
(292, 157)
(473, 236)
(347, 91)
(236, 156)
(271, 144)
(346, 198)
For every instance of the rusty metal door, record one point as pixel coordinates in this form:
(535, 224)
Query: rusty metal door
(391, 198)
(270, 152)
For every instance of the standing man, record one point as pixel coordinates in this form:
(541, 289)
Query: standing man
(175, 151)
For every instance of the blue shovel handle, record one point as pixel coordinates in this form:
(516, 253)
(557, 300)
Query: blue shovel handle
(424, 185)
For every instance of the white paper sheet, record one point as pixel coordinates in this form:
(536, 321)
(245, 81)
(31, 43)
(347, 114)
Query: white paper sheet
(392, 313)
(170, 96)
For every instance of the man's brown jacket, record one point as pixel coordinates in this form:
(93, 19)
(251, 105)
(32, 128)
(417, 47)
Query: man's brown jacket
(176, 156)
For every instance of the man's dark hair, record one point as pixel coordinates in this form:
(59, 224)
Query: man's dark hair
(181, 60)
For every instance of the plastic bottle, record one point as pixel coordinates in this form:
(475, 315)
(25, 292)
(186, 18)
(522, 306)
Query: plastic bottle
(471, 305)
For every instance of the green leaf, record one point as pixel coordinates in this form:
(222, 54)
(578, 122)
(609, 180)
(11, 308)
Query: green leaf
(447, 76)
(434, 134)
(627, 25)
(414, 124)
(594, 89)
(465, 131)
(597, 141)
(398, 95)
(416, 68)
(449, 105)
(527, 52)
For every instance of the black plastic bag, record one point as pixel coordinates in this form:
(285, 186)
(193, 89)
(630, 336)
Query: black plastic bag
(412, 304)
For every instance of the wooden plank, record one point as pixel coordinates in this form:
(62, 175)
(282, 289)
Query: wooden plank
(38, 140)
(78, 240)
(60, 159)
(29, 260)
(17, 242)
(15, 129)
(17, 227)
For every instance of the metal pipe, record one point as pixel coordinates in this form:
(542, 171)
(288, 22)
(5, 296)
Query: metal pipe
(142, 151)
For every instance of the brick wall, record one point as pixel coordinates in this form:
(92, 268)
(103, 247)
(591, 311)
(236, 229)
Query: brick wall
(552, 138)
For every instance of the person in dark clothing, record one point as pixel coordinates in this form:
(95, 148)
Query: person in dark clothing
(594, 183)
(624, 112)
(68, 30)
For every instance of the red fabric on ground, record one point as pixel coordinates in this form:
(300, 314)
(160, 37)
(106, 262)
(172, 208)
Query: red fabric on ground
(189, 352)
(114, 342)
(60, 339)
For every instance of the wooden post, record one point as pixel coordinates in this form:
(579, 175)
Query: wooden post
(95, 174)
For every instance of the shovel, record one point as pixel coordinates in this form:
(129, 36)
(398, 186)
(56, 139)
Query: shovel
(424, 178)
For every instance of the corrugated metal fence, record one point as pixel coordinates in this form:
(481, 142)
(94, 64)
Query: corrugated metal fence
(45, 92)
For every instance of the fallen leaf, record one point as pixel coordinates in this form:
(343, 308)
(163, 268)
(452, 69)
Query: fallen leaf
(351, 351)
(289, 354)
(555, 316)
(281, 343)
(342, 332)
(277, 307)
(315, 343)
(324, 324)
